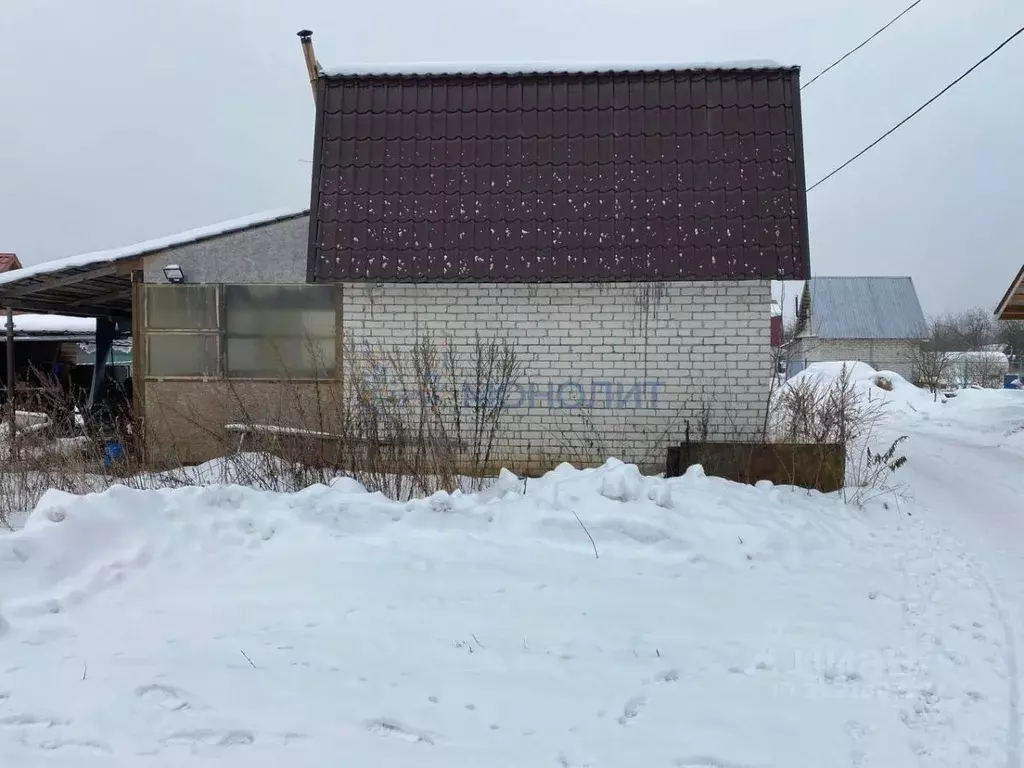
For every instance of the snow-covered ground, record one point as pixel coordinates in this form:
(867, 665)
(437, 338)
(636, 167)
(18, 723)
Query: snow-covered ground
(719, 625)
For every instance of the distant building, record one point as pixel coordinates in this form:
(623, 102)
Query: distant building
(776, 327)
(875, 320)
(9, 262)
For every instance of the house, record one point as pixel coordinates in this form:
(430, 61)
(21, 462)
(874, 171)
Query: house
(9, 262)
(876, 320)
(1011, 307)
(620, 227)
(776, 324)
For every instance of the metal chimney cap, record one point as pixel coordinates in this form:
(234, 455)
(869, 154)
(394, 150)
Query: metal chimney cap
(305, 34)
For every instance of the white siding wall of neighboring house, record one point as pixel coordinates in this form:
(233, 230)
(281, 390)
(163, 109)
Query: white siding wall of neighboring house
(896, 355)
(642, 358)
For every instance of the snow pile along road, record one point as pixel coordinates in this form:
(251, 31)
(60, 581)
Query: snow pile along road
(721, 625)
(991, 418)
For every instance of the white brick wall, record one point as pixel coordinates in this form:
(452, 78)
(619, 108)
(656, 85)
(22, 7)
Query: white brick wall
(897, 355)
(701, 348)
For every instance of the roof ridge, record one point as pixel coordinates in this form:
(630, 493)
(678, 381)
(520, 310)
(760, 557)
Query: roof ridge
(524, 69)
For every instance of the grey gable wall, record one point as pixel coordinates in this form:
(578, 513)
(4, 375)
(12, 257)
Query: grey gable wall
(271, 253)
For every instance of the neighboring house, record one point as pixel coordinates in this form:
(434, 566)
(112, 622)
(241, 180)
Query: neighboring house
(621, 227)
(875, 320)
(1011, 307)
(9, 262)
(776, 324)
(981, 368)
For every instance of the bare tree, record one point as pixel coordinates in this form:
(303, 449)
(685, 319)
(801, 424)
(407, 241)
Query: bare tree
(931, 365)
(969, 331)
(1011, 333)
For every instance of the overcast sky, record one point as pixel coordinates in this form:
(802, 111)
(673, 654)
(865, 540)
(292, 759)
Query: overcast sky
(125, 120)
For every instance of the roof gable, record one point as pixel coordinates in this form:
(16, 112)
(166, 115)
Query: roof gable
(1011, 307)
(861, 308)
(638, 175)
(9, 262)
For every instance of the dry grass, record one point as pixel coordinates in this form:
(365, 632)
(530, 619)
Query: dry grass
(820, 410)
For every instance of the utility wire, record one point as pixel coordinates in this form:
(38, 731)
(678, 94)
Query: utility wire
(849, 53)
(917, 111)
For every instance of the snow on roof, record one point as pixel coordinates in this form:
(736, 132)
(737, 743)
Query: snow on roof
(535, 67)
(51, 324)
(149, 246)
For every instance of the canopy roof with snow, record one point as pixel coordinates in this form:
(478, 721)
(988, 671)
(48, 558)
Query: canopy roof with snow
(861, 308)
(98, 284)
(29, 326)
(1012, 305)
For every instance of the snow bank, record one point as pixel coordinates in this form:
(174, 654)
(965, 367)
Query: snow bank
(978, 417)
(884, 387)
(73, 538)
(721, 624)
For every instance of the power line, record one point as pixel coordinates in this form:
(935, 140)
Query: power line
(917, 111)
(849, 53)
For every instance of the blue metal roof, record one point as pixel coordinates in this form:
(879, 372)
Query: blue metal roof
(861, 308)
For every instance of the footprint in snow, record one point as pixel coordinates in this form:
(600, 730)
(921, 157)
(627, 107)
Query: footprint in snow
(703, 761)
(667, 676)
(632, 709)
(205, 737)
(566, 762)
(385, 726)
(85, 746)
(30, 721)
(165, 696)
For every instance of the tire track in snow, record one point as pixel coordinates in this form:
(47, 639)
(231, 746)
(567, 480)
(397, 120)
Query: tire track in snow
(1013, 731)
(997, 465)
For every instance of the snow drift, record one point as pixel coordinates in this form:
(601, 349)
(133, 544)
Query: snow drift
(718, 625)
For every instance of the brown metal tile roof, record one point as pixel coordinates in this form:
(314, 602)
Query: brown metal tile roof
(665, 175)
(9, 261)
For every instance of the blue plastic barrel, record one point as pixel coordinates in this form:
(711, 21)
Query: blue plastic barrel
(112, 451)
(1010, 381)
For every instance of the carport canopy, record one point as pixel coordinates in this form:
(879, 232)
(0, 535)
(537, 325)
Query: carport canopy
(69, 287)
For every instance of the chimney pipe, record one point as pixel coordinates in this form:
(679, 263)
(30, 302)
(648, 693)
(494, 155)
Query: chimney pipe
(312, 65)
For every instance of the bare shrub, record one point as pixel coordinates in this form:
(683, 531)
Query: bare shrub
(406, 421)
(820, 410)
(931, 366)
(52, 449)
